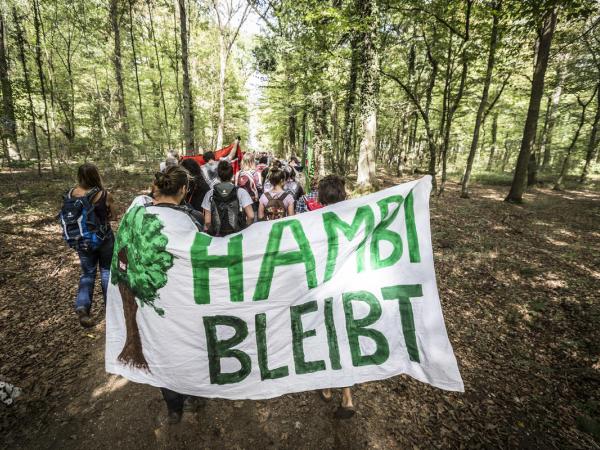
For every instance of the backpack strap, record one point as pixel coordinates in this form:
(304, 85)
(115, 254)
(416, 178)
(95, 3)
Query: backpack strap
(269, 196)
(284, 195)
(89, 195)
(184, 209)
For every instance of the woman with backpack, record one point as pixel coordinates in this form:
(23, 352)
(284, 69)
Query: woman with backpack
(277, 202)
(249, 179)
(95, 247)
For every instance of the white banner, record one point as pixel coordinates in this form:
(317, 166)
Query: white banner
(329, 298)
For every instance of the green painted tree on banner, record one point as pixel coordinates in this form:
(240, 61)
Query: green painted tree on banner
(139, 267)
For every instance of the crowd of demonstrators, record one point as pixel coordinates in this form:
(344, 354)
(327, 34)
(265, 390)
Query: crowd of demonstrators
(216, 201)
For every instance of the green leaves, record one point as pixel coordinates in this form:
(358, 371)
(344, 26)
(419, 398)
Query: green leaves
(141, 240)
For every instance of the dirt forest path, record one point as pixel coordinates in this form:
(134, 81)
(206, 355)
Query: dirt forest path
(520, 294)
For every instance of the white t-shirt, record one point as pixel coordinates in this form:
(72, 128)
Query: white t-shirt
(243, 197)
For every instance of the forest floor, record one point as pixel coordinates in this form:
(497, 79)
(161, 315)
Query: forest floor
(519, 287)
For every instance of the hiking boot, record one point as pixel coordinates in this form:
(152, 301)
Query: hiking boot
(174, 417)
(84, 318)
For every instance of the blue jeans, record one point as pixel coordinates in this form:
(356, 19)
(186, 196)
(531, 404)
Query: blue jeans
(89, 260)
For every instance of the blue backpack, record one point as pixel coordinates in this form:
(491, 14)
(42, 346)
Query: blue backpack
(80, 225)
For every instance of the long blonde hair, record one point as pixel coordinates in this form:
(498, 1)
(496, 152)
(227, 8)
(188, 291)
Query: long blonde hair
(248, 162)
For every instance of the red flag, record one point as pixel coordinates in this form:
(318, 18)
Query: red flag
(235, 162)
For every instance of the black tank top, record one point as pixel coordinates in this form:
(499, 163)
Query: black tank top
(101, 209)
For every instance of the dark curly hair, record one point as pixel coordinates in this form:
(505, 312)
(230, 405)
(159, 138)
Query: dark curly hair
(332, 189)
(171, 180)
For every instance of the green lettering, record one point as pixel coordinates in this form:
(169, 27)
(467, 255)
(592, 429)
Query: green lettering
(334, 351)
(411, 229)
(358, 327)
(274, 258)
(218, 349)
(332, 224)
(403, 294)
(298, 335)
(261, 344)
(381, 233)
(202, 262)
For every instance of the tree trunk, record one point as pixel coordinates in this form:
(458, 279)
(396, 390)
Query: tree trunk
(222, 71)
(179, 109)
(368, 96)
(122, 126)
(38, 59)
(7, 120)
(292, 132)
(132, 353)
(506, 156)
(135, 66)
(483, 102)
(566, 162)
(494, 142)
(546, 144)
(537, 91)
(320, 141)
(304, 141)
(350, 103)
(594, 139)
(188, 106)
(21, 44)
(160, 74)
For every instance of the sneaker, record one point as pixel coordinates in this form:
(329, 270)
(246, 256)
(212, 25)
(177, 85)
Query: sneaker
(84, 318)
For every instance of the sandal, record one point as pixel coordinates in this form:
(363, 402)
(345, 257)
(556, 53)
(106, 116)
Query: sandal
(345, 412)
(324, 397)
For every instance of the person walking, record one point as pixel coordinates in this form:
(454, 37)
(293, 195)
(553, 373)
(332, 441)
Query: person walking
(85, 217)
(170, 189)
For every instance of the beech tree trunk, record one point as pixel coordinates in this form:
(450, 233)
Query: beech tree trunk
(537, 91)
(494, 142)
(594, 139)
(42, 78)
(350, 103)
(188, 106)
(483, 102)
(7, 120)
(567, 160)
(546, 143)
(160, 74)
(369, 89)
(21, 44)
(135, 66)
(222, 72)
(122, 126)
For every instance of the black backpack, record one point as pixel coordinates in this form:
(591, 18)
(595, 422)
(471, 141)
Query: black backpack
(226, 212)
(80, 225)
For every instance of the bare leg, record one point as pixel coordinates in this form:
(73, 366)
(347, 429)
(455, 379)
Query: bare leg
(347, 398)
(326, 394)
